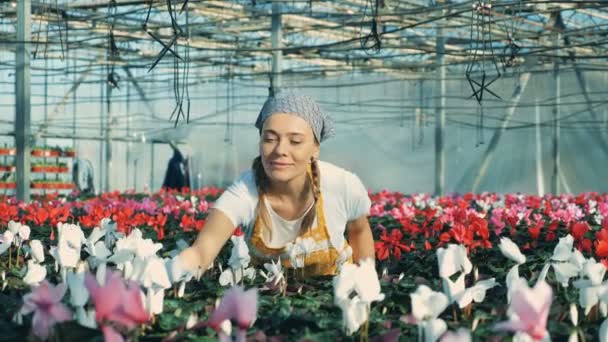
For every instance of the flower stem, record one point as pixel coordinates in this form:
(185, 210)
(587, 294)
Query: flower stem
(17, 259)
(581, 335)
(366, 329)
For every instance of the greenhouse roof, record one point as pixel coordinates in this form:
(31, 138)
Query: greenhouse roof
(318, 37)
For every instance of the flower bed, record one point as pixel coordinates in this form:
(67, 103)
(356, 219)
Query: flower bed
(46, 151)
(7, 151)
(50, 168)
(7, 168)
(52, 185)
(446, 263)
(8, 185)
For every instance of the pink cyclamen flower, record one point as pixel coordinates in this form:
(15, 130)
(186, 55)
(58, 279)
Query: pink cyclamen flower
(237, 304)
(116, 302)
(531, 308)
(45, 302)
(462, 335)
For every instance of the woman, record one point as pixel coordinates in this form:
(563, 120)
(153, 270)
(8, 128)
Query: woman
(287, 194)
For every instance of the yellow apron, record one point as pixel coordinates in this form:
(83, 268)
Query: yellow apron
(324, 258)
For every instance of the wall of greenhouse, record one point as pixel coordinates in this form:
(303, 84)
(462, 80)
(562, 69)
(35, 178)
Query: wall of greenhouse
(385, 124)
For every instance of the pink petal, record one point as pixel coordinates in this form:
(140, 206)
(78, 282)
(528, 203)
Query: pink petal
(131, 310)
(520, 305)
(60, 313)
(57, 292)
(41, 293)
(526, 311)
(111, 335)
(227, 307)
(107, 298)
(42, 324)
(91, 284)
(544, 311)
(247, 308)
(133, 304)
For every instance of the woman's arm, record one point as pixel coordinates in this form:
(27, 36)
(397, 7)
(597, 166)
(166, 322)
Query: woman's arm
(360, 239)
(217, 230)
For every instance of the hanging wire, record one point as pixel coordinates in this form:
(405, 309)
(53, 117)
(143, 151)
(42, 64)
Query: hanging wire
(371, 42)
(511, 49)
(59, 28)
(180, 77)
(44, 9)
(112, 51)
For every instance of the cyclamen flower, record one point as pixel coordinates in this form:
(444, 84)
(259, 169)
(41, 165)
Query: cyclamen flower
(530, 307)
(116, 302)
(238, 305)
(45, 302)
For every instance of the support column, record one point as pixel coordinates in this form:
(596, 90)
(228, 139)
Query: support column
(540, 175)
(74, 141)
(101, 145)
(277, 55)
(46, 98)
(128, 154)
(422, 111)
(151, 188)
(22, 99)
(108, 142)
(556, 111)
(439, 113)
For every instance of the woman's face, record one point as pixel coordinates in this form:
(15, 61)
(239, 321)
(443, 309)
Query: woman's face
(287, 144)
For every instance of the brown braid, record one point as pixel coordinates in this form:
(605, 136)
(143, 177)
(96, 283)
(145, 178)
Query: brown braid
(261, 183)
(309, 218)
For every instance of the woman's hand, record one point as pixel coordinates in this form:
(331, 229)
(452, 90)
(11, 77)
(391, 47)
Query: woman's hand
(217, 230)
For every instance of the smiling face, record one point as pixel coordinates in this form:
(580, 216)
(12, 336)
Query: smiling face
(287, 145)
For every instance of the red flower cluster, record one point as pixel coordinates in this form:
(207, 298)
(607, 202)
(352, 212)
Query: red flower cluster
(403, 223)
(158, 212)
(478, 221)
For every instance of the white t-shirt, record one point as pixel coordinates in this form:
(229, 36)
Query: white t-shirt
(344, 199)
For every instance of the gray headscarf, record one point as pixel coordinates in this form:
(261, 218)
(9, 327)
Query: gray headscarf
(302, 106)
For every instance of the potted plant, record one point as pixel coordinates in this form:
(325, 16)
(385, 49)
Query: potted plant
(69, 152)
(7, 151)
(38, 184)
(8, 185)
(7, 168)
(46, 151)
(37, 167)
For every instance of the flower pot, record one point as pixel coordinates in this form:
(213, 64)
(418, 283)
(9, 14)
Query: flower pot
(6, 185)
(45, 153)
(4, 151)
(38, 185)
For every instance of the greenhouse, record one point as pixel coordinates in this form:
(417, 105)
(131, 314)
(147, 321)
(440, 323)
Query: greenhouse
(303, 170)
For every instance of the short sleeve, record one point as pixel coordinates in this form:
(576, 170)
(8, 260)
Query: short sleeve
(357, 199)
(238, 201)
